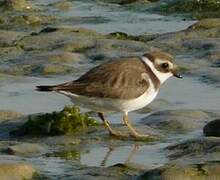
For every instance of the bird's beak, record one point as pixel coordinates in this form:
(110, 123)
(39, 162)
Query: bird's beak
(176, 73)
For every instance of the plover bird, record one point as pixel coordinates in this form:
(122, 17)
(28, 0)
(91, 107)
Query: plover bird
(122, 85)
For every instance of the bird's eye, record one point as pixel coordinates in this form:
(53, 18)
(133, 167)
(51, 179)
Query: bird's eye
(165, 65)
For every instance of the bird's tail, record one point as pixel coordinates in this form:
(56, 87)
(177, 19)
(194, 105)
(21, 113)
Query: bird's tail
(45, 88)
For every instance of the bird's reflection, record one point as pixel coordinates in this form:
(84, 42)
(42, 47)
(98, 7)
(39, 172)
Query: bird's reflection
(128, 160)
(131, 154)
(107, 156)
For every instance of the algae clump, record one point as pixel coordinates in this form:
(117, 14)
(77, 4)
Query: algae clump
(68, 121)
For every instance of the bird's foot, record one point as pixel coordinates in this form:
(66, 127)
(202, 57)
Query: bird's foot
(114, 133)
(118, 135)
(131, 136)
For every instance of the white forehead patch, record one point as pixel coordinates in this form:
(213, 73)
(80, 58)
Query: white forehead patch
(160, 75)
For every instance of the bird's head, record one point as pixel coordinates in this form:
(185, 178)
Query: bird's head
(162, 65)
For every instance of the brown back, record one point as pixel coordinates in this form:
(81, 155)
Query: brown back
(121, 79)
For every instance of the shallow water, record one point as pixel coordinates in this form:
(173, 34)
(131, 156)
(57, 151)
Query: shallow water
(136, 155)
(108, 18)
(181, 94)
(24, 98)
(51, 167)
(187, 93)
(146, 156)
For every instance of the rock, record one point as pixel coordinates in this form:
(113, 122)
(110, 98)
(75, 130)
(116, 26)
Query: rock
(212, 76)
(177, 120)
(125, 36)
(77, 44)
(181, 172)
(201, 30)
(35, 63)
(8, 115)
(9, 53)
(180, 42)
(18, 5)
(67, 45)
(64, 57)
(52, 70)
(196, 9)
(62, 5)
(8, 38)
(35, 19)
(26, 21)
(25, 149)
(195, 150)
(16, 171)
(119, 35)
(107, 49)
(81, 40)
(212, 128)
(30, 20)
(10, 124)
(214, 57)
(118, 171)
(68, 39)
(123, 45)
(206, 24)
(125, 2)
(200, 44)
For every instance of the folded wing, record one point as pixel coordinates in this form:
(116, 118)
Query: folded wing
(121, 79)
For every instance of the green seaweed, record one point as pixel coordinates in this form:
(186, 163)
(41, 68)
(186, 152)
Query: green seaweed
(15, 5)
(67, 121)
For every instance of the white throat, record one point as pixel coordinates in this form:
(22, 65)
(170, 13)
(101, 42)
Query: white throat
(161, 76)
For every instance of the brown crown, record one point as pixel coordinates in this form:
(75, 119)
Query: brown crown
(158, 55)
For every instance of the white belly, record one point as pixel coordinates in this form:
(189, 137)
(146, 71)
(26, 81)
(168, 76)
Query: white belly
(107, 104)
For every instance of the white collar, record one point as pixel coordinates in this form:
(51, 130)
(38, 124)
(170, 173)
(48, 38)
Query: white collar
(161, 76)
